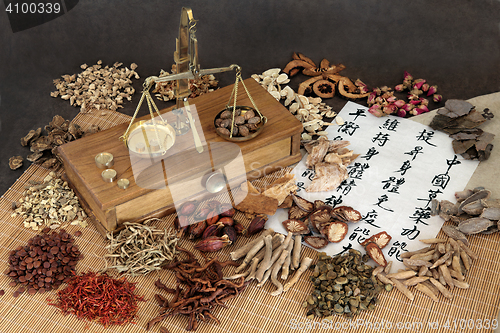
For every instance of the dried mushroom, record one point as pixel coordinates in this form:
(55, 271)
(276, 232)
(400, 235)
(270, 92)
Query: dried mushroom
(15, 162)
(335, 231)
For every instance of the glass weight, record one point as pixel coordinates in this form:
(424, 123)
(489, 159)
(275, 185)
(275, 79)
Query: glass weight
(181, 125)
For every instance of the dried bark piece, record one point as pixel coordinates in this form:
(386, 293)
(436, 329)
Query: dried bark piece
(454, 108)
(253, 202)
(281, 188)
(287, 203)
(328, 177)
(296, 227)
(335, 231)
(316, 242)
(15, 162)
(318, 152)
(376, 254)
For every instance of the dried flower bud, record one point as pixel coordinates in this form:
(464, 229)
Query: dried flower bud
(256, 225)
(407, 76)
(375, 110)
(432, 90)
(399, 87)
(371, 98)
(425, 87)
(424, 101)
(401, 113)
(418, 83)
(212, 244)
(437, 98)
(399, 103)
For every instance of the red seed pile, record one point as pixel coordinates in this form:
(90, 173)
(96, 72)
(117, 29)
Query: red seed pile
(44, 264)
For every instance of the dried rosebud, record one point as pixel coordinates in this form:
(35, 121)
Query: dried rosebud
(399, 87)
(401, 113)
(424, 101)
(415, 101)
(371, 98)
(256, 225)
(432, 90)
(422, 109)
(389, 109)
(375, 110)
(399, 103)
(391, 99)
(408, 107)
(407, 76)
(425, 87)
(437, 98)
(418, 83)
(212, 244)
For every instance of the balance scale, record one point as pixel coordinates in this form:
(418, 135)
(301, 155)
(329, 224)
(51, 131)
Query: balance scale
(277, 146)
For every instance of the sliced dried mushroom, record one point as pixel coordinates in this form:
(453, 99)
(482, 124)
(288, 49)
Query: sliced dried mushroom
(316, 242)
(376, 254)
(381, 239)
(296, 213)
(296, 227)
(335, 231)
(347, 213)
(302, 203)
(15, 162)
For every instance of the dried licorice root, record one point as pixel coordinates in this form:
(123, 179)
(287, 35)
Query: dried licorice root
(204, 289)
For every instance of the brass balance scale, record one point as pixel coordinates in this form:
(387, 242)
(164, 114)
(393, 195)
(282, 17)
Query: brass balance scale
(152, 149)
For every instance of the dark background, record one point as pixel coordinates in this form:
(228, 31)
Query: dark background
(454, 44)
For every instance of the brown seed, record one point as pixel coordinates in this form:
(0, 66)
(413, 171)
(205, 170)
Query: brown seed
(78, 233)
(32, 291)
(15, 294)
(254, 120)
(257, 224)
(243, 130)
(2, 292)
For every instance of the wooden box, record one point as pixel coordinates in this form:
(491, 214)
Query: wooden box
(277, 146)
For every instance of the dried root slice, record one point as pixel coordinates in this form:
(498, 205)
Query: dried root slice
(377, 270)
(441, 260)
(433, 240)
(296, 213)
(296, 251)
(442, 289)
(242, 251)
(285, 271)
(417, 262)
(296, 227)
(426, 290)
(415, 280)
(411, 253)
(403, 275)
(266, 262)
(376, 254)
(445, 273)
(347, 214)
(388, 267)
(381, 239)
(383, 278)
(402, 288)
(336, 231)
(303, 204)
(304, 265)
(324, 88)
(467, 250)
(316, 242)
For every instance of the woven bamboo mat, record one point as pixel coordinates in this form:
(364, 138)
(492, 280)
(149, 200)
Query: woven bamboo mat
(254, 310)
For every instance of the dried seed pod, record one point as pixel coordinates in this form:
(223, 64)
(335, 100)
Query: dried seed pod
(316, 242)
(320, 204)
(218, 122)
(319, 218)
(249, 114)
(181, 223)
(335, 231)
(257, 224)
(226, 123)
(212, 217)
(295, 226)
(196, 230)
(239, 120)
(202, 214)
(226, 114)
(214, 205)
(243, 130)
(226, 221)
(223, 131)
(226, 210)
(229, 232)
(212, 230)
(188, 208)
(212, 244)
(254, 120)
(303, 204)
(376, 254)
(381, 239)
(240, 228)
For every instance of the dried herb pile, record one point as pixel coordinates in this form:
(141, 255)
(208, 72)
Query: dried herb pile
(100, 298)
(203, 289)
(139, 248)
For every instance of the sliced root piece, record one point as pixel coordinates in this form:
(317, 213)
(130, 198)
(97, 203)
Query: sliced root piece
(296, 227)
(426, 290)
(381, 239)
(336, 231)
(376, 254)
(316, 242)
(324, 88)
(274, 274)
(346, 213)
(296, 251)
(402, 288)
(303, 203)
(304, 265)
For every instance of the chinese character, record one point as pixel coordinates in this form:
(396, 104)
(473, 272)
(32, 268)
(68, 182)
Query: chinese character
(348, 128)
(396, 249)
(417, 150)
(345, 249)
(338, 138)
(370, 217)
(358, 113)
(426, 136)
(361, 238)
(346, 186)
(300, 186)
(405, 167)
(441, 180)
(381, 200)
(395, 183)
(432, 195)
(420, 215)
(381, 138)
(390, 125)
(333, 201)
(356, 171)
(308, 173)
(370, 153)
(411, 233)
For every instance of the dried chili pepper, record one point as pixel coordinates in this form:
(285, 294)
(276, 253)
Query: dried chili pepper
(100, 298)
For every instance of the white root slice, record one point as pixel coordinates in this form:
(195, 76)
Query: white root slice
(242, 251)
(237, 276)
(274, 274)
(266, 262)
(285, 270)
(252, 269)
(296, 251)
(250, 255)
(304, 265)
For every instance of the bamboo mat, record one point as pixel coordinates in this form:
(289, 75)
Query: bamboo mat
(254, 310)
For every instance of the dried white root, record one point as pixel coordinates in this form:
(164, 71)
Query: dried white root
(304, 265)
(266, 262)
(242, 251)
(97, 88)
(274, 274)
(252, 270)
(285, 270)
(296, 251)
(276, 255)
(250, 255)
